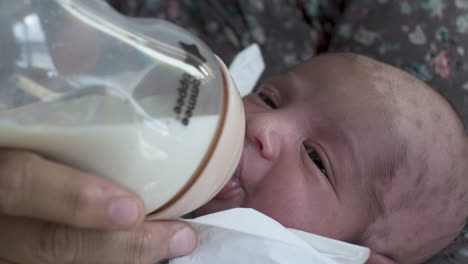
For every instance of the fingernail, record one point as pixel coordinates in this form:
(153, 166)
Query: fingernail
(182, 243)
(124, 211)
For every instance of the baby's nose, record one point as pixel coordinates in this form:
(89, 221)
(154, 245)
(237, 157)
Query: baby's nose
(269, 132)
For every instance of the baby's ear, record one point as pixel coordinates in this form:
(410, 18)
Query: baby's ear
(376, 258)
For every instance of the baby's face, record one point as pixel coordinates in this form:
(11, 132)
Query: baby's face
(310, 140)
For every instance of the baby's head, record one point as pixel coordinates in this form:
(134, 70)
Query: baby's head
(356, 150)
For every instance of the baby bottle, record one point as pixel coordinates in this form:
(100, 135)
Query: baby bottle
(139, 101)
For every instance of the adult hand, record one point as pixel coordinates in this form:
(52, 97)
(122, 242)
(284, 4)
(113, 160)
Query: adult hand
(50, 213)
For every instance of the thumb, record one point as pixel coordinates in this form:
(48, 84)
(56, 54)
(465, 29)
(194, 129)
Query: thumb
(183, 241)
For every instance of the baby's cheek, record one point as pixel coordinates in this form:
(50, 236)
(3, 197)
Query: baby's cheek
(291, 205)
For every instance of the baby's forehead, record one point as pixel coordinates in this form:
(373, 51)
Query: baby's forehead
(345, 73)
(349, 80)
(336, 83)
(338, 61)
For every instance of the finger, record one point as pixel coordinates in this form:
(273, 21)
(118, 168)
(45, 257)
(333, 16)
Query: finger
(30, 241)
(38, 188)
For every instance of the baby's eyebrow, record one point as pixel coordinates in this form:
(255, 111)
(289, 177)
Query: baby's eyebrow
(337, 134)
(387, 168)
(398, 159)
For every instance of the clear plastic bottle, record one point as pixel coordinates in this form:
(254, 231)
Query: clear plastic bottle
(140, 101)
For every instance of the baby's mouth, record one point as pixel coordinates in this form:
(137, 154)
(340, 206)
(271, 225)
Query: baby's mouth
(233, 187)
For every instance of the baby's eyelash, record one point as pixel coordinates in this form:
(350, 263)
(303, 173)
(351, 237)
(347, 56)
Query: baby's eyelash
(315, 157)
(267, 100)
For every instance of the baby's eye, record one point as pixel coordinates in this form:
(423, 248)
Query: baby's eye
(315, 157)
(267, 100)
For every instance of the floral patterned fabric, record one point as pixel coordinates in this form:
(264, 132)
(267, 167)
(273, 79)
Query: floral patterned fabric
(428, 38)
